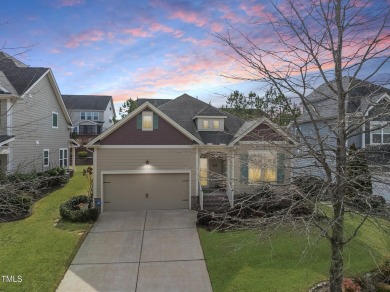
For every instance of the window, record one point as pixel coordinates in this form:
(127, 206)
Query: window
(89, 116)
(87, 130)
(95, 116)
(261, 166)
(205, 124)
(147, 121)
(216, 124)
(45, 157)
(64, 157)
(54, 119)
(380, 133)
(82, 115)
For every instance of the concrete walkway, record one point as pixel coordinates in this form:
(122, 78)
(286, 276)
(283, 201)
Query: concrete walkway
(157, 250)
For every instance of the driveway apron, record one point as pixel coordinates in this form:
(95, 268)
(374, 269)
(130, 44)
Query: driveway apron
(153, 250)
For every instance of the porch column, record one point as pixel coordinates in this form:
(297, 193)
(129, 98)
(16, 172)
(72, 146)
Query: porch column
(73, 157)
(197, 171)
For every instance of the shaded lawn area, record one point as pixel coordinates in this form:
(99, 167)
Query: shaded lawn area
(37, 250)
(289, 261)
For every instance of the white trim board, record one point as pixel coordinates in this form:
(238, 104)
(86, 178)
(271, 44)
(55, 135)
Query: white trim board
(146, 171)
(142, 146)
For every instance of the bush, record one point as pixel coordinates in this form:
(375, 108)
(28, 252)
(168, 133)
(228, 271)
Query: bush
(23, 202)
(71, 211)
(83, 154)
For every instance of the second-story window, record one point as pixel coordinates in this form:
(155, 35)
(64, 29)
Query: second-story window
(54, 120)
(147, 121)
(89, 116)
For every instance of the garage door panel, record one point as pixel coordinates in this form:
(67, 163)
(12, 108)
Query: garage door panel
(145, 191)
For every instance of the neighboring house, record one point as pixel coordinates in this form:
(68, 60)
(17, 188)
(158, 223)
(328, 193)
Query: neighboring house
(365, 100)
(367, 109)
(165, 157)
(91, 114)
(34, 123)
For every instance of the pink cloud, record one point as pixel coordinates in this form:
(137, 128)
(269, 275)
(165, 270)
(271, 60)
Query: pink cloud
(189, 17)
(197, 42)
(79, 63)
(55, 51)
(216, 27)
(253, 10)
(137, 32)
(152, 29)
(86, 37)
(69, 3)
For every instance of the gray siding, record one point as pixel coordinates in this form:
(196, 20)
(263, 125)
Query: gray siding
(3, 117)
(32, 124)
(135, 158)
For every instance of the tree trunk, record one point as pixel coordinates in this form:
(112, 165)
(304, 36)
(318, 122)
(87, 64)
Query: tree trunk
(337, 261)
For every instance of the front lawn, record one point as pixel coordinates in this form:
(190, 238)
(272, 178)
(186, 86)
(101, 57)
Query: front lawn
(289, 261)
(37, 249)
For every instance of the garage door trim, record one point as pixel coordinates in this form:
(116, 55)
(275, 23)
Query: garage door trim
(148, 171)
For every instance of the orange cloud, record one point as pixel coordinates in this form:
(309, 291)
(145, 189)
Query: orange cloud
(86, 37)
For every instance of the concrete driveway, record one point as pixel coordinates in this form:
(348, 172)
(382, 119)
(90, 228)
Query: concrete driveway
(156, 250)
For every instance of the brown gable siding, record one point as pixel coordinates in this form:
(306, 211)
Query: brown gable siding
(128, 134)
(263, 133)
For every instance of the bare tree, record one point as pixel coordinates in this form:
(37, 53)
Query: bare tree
(323, 42)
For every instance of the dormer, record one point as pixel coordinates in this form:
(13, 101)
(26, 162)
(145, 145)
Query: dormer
(210, 119)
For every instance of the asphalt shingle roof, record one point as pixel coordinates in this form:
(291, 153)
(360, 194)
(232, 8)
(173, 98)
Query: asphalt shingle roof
(86, 102)
(185, 107)
(154, 101)
(20, 77)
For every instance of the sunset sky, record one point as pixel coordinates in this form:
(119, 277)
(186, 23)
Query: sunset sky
(145, 49)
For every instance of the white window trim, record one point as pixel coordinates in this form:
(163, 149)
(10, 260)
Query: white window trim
(81, 116)
(147, 113)
(52, 120)
(93, 116)
(48, 157)
(376, 124)
(63, 159)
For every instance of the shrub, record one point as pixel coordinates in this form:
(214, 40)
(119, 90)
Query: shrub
(69, 210)
(23, 202)
(83, 154)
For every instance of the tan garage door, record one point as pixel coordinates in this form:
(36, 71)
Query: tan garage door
(122, 192)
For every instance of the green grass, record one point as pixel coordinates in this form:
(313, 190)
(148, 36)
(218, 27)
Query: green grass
(36, 249)
(289, 260)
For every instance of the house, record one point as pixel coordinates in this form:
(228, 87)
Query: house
(34, 123)
(368, 118)
(166, 157)
(365, 100)
(90, 114)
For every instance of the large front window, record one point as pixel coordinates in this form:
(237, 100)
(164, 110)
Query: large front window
(261, 166)
(380, 133)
